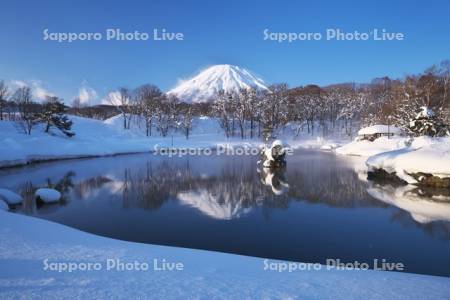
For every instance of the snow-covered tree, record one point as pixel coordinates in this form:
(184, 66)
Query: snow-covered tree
(252, 109)
(148, 98)
(427, 123)
(275, 109)
(167, 114)
(222, 109)
(53, 114)
(241, 109)
(185, 120)
(352, 105)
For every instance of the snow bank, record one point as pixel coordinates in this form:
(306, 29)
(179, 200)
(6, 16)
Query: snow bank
(25, 243)
(367, 148)
(10, 197)
(103, 138)
(98, 138)
(3, 205)
(48, 195)
(425, 155)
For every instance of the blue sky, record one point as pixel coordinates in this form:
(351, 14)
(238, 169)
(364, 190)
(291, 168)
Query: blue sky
(215, 33)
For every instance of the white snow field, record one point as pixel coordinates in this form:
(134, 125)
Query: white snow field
(103, 138)
(202, 87)
(367, 148)
(425, 154)
(26, 243)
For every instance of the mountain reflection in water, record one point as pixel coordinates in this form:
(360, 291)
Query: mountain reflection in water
(320, 206)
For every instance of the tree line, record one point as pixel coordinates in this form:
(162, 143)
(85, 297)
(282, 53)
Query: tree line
(250, 113)
(20, 107)
(420, 104)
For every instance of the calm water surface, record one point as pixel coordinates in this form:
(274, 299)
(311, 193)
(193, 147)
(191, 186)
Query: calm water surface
(320, 207)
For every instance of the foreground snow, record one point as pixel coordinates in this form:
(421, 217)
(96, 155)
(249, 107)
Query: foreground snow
(425, 154)
(26, 242)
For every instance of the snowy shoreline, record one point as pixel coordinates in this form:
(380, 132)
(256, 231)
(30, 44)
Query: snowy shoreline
(423, 160)
(26, 243)
(95, 138)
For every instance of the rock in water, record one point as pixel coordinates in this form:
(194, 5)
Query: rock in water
(274, 156)
(47, 195)
(10, 197)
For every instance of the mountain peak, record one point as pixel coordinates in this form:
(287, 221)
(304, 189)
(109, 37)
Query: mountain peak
(202, 87)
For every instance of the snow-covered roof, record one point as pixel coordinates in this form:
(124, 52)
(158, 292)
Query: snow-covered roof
(379, 129)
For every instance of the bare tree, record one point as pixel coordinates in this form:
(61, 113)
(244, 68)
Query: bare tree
(29, 116)
(123, 102)
(186, 119)
(275, 108)
(221, 108)
(149, 98)
(167, 114)
(4, 92)
(241, 111)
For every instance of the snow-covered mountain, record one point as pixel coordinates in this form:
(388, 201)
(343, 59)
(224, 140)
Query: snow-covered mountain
(209, 82)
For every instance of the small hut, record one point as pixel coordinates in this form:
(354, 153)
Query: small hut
(373, 132)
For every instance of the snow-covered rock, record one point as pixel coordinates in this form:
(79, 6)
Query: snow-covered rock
(10, 197)
(274, 155)
(3, 205)
(48, 195)
(209, 82)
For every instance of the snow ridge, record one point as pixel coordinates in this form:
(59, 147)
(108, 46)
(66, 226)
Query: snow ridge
(209, 82)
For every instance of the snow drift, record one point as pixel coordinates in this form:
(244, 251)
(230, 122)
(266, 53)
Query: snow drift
(424, 155)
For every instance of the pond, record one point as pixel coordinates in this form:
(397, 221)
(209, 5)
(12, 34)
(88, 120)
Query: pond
(321, 207)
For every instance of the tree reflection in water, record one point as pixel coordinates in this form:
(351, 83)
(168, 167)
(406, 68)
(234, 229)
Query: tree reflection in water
(233, 188)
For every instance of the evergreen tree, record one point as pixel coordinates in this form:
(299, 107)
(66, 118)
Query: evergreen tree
(53, 114)
(427, 123)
